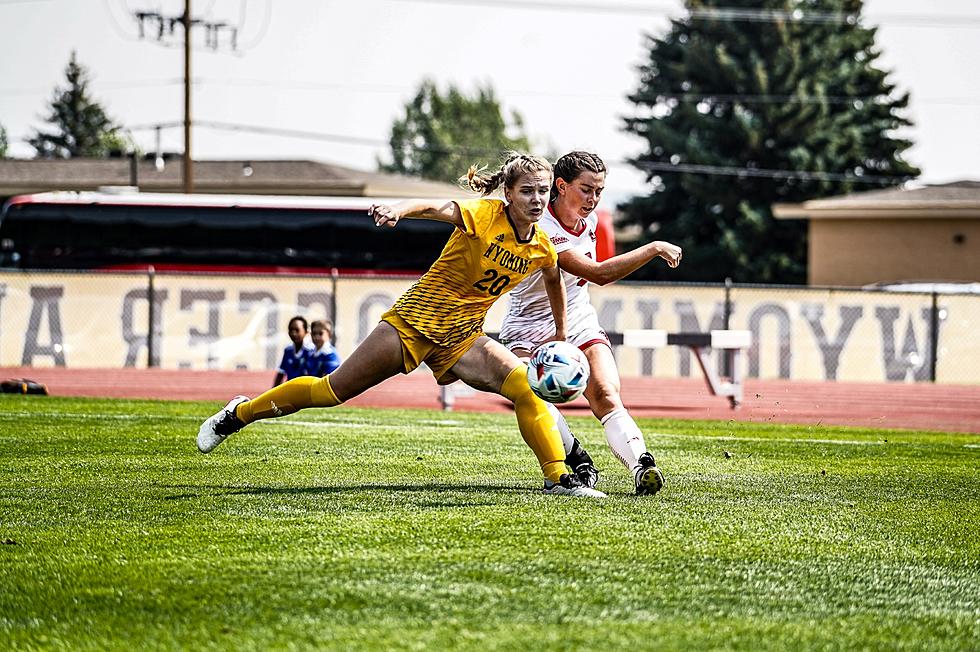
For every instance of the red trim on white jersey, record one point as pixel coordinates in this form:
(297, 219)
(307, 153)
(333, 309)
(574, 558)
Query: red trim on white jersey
(582, 221)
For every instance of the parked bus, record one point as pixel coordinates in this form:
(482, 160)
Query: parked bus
(231, 233)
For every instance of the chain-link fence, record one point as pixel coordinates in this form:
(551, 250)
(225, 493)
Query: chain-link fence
(212, 321)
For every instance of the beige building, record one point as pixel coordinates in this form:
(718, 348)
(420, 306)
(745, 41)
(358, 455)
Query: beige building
(929, 233)
(255, 177)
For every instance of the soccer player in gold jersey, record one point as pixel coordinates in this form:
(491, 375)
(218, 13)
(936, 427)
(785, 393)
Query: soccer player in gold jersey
(439, 320)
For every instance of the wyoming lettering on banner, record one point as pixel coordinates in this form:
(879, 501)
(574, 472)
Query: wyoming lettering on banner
(89, 320)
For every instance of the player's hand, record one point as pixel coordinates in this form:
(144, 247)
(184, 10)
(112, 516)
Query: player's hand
(384, 215)
(670, 252)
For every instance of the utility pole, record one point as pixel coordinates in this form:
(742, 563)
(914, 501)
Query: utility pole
(165, 28)
(188, 158)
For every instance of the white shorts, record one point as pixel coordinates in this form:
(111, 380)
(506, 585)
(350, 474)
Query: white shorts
(583, 331)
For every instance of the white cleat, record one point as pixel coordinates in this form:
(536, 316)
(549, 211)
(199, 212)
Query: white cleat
(219, 426)
(569, 485)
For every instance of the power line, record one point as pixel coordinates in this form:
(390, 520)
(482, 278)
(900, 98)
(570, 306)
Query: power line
(291, 133)
(742, 172)
(731, 14)
(686, 168)
(100, 86)
(745, 98)
(311, 135)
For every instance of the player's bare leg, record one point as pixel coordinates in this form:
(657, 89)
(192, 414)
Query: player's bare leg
(623, 435)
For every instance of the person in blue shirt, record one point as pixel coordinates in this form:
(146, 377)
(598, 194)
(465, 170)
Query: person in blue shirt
(295, 359)
(324, 358)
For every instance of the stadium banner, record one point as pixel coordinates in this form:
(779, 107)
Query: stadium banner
(105, 320)
(798, 333)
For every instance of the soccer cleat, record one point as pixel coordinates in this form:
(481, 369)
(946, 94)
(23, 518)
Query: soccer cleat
(569, 485)
(582, 465)
(587, 474)
(219, 426)
(648, 477)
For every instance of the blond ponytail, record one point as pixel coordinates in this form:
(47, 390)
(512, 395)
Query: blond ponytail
(516, 166)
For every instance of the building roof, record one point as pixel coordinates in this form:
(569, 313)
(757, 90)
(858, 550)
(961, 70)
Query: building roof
(959, 199)
(269, 177)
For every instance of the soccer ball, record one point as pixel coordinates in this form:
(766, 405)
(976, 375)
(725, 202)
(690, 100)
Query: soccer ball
(558, 372)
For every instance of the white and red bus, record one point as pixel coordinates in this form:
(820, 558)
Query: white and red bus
(220, 233)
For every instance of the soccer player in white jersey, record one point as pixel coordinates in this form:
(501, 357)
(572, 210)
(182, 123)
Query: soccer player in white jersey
(571, 223)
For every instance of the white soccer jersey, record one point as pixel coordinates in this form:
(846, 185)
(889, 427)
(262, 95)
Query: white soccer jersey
(529, 320)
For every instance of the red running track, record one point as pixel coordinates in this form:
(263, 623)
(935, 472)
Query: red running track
(919, 406)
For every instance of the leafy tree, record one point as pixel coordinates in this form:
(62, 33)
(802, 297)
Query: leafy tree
(3, 142)
(82, 127)
(441, 135)
(798, 92)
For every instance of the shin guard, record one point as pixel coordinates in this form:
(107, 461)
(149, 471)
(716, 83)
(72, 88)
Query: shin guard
(296, 394)
(537, 426)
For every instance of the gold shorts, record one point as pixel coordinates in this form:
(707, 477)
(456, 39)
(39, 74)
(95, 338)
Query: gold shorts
(417, 348)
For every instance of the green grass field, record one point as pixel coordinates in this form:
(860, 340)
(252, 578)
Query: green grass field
(398, 529)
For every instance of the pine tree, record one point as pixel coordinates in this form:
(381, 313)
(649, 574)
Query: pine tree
(799, 92)
(82, 127)
(4, 144)
(441, 135)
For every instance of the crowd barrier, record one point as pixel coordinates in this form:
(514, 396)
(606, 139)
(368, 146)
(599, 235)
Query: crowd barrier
(213, 321)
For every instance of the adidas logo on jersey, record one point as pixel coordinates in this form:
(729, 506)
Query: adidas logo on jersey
(559, 239)
(499, 238)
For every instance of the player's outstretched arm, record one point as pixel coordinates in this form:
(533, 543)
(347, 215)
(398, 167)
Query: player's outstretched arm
(557, 298)
(617, 267)
(434, 209)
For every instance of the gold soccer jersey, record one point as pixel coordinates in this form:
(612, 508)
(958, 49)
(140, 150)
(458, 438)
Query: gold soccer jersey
(480, 262)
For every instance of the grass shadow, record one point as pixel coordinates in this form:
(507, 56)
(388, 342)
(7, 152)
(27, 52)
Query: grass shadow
(482, 489)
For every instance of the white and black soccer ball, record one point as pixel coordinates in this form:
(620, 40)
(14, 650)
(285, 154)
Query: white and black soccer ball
(558, 372)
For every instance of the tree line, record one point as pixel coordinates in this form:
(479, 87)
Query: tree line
(733, 115)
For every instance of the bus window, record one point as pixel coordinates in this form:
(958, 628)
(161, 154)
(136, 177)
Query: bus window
(240, 232)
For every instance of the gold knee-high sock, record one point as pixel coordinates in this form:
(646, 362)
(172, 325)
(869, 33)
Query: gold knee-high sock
(296, 394)
(537, 426)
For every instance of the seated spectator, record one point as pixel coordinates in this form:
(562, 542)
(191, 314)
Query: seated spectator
(324, 358)
(295, 359)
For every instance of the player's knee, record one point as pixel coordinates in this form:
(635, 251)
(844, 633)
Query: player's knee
(603, 395)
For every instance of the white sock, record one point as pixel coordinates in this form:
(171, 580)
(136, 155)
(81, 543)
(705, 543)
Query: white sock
(567, 438)
(624, 437)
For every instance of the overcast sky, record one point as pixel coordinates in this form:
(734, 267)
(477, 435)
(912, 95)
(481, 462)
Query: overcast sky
(339, 72)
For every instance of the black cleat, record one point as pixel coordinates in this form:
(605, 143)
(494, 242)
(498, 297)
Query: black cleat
(649, 479)
(568, 485)
(587, 475)
(580, 462)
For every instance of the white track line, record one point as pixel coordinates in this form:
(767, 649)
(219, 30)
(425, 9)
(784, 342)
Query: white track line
(432, 422)
(793, 440)
(184, 417)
